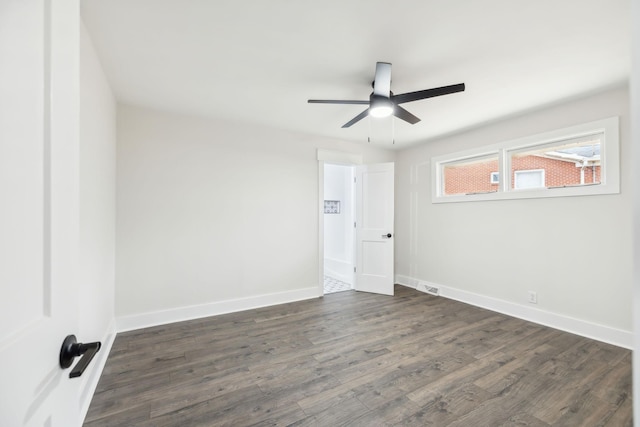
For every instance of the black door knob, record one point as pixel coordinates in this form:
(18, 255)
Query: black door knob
(71, 349)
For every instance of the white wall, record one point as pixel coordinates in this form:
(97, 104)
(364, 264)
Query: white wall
(97, 211)
(214, 216)
(492, 253)
(338, 228)
(635, 159)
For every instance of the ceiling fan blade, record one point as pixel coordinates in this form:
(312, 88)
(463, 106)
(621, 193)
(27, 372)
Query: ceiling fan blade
(427, 93)
(336, 101)
(356, 119)
(382, 80)
(403, 114)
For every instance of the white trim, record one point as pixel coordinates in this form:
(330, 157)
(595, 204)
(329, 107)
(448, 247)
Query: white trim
(91, 382)
(610, 165)
(320, 286)
(580, 327)
(179, 314)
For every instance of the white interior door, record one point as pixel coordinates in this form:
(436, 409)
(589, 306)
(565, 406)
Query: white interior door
(39, 209)
(374, 228)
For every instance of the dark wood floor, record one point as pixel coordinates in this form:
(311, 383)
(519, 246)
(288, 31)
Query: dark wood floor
(360, 359)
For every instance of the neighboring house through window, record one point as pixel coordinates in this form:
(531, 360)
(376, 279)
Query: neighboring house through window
(566, 162)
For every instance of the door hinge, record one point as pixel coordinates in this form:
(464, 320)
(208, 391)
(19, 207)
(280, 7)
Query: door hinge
(354, 179)
(354, 225)
(354, 269)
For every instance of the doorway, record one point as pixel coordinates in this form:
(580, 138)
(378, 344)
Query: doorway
(339, 231)
(366, 260)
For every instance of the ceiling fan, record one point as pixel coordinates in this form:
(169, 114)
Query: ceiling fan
(382, 102)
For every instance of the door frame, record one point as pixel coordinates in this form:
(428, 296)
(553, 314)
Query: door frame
(335, 158)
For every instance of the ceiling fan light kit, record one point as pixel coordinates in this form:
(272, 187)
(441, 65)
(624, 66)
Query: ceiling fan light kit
(380, 106)
(383, 103)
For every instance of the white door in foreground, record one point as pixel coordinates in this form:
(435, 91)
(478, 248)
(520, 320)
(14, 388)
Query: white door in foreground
(39, 210)
(374, 228)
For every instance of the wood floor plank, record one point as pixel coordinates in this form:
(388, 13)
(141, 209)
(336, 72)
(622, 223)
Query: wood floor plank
(524, 420)
(499, 379)
(622, 417)
(614, 387)
(470, 372)
(361, 359)
(343, 412)
(387, 414)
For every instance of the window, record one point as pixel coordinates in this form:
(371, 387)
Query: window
(568, 162)
(576, 161)
(469, 176)
(528, 179)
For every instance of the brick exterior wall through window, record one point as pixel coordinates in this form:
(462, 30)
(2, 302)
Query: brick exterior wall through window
(476, 177)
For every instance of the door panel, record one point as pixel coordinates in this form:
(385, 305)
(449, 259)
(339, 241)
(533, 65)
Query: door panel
(38, 219)
(375, 199)
(21, 180)
(372, 252)
(374, 223)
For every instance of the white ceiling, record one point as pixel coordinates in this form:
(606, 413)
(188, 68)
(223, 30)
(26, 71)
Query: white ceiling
(258, 61)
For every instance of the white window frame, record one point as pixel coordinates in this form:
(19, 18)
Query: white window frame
(494, 178)
(609, 165)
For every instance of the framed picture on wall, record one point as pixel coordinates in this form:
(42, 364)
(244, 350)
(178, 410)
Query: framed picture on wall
(332, 206)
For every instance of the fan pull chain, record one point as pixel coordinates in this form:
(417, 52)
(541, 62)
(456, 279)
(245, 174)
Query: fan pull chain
(393, 131)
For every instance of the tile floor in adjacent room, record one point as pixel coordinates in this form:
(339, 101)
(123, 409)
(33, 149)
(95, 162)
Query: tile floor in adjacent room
(332, 285)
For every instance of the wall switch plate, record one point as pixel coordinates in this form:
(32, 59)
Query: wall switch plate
(532, 297)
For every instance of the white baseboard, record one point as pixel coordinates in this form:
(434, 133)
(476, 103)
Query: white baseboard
(179, 314)
(584, 328)
(100, 359)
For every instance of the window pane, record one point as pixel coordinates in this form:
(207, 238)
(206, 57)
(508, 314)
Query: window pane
(471, 176)
(561, 164)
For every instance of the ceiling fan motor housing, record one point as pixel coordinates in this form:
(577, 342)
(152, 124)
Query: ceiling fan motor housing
(380, 106)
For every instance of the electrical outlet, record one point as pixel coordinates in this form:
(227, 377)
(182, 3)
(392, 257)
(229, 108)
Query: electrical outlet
(533, 297)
